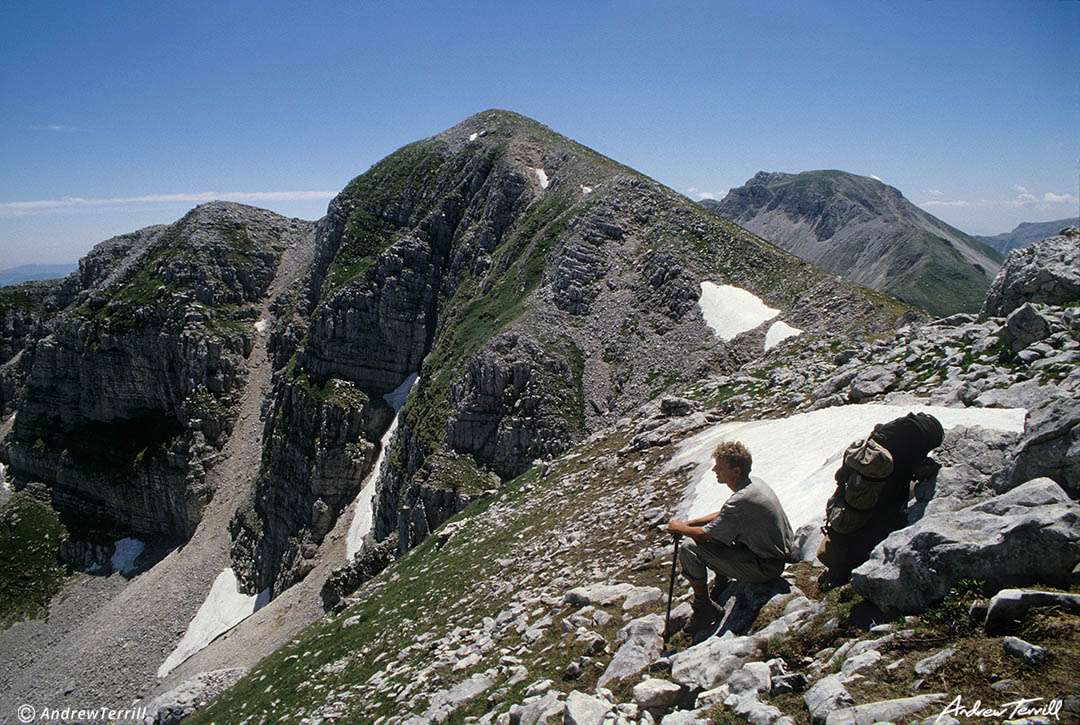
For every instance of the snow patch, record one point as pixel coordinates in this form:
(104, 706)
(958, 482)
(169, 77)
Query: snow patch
(396, 399)
(731, 311)
(586, 189)
(473, 136)
(4, 485)
(542, 177)
(797, 456)
(778, 332)
(362, 508)
(261, 325)
(125, 554)
(224, 608)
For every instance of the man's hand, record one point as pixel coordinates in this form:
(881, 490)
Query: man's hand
(682, 528)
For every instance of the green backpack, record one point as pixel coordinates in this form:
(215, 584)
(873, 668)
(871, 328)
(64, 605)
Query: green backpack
(860, 481)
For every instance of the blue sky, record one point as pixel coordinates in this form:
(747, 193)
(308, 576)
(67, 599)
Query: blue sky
(120, 115)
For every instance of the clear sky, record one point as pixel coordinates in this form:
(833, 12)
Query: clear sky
(118, 115)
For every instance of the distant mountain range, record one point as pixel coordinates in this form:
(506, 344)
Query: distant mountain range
(28, 272)
(867, 231)
(1026, 234)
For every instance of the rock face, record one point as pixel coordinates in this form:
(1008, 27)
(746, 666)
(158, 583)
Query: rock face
(1031, 533)
(305, 479)
(860, 228)
(134, 382)
(1047, 272)
(23, 313)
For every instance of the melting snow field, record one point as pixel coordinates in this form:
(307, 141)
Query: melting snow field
(542, 177)
(778, 332)
(261, 326)
(798, 456)
(125, 554)
(224, 608)
(361, 522)
(731, 311)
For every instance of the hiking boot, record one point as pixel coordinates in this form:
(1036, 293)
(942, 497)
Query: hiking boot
(704, 614)
(719, 585)
(831, 580)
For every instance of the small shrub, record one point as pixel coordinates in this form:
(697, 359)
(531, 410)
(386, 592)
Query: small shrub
(952, 612)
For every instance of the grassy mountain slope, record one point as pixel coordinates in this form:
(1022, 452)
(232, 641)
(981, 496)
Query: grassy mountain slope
(860, 228)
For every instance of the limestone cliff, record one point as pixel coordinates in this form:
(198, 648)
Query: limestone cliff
(129, 394)
(23, 313)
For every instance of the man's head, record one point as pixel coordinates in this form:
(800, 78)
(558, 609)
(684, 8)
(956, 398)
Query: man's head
(731, 463)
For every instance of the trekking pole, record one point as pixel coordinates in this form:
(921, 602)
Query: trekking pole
(671, 588)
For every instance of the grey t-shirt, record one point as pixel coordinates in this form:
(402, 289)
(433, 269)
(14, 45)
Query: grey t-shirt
(753, 516)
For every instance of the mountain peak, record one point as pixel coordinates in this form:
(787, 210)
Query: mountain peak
(864, 229)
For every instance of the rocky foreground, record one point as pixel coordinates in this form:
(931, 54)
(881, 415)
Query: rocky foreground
(546, 602)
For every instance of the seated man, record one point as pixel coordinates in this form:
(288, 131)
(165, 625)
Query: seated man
(748, 539)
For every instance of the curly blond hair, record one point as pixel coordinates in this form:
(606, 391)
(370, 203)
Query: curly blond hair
(735, 454)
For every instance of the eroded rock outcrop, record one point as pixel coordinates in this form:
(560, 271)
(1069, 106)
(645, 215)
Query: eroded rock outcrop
(1047, 272)
(1031, 533)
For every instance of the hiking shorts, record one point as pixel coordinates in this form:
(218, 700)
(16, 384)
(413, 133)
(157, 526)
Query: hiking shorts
(735, 562)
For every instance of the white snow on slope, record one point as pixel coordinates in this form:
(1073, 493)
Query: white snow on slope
(542, 177)
(261, 325)
(224, 608)
(586, 189)
(362, 509)
(473, 136)
(778, 332)
(797, 456)
(125, 554)
(731, 311)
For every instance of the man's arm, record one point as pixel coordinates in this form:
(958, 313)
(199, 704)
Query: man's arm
(702, 520)
(691, 528)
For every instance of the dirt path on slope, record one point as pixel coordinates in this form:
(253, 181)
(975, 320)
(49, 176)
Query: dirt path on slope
(105, 639)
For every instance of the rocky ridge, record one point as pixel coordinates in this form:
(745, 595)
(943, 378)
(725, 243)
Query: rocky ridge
(545, 602)
(23, 315)
(867, 231)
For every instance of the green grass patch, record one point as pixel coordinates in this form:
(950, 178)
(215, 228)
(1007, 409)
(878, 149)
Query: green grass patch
(343, 393)
(30, 569)
(952, 611)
